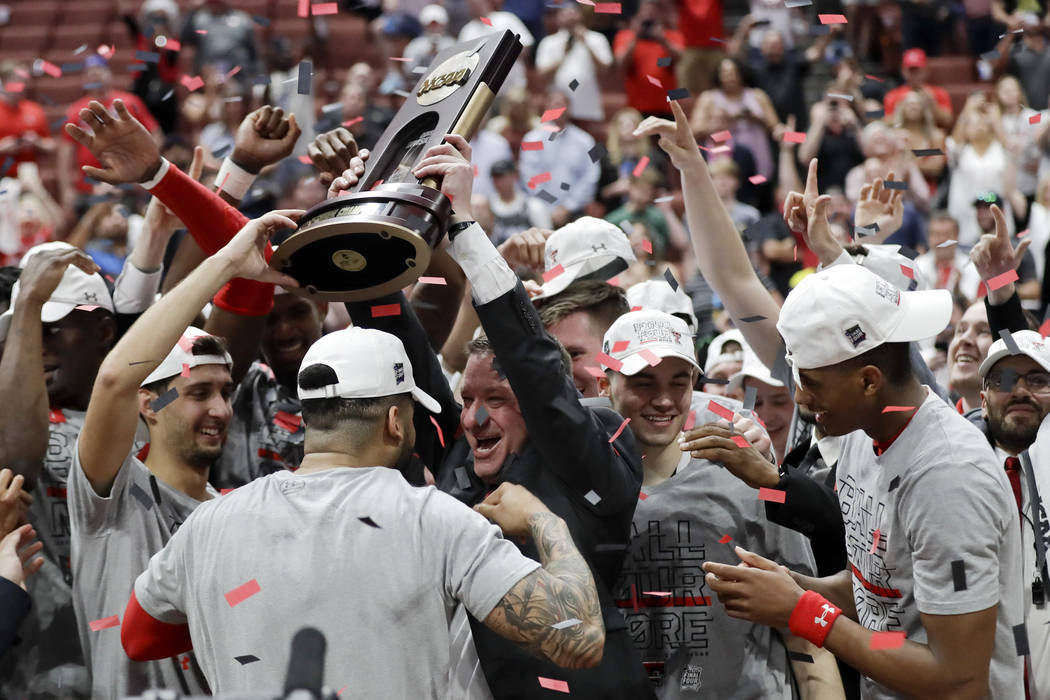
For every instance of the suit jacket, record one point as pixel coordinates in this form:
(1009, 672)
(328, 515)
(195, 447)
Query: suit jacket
(568, 463)
(14, 606)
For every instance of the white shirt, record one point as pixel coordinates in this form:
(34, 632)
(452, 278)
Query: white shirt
(585, 102)
(1036, 618)
(964, 273)
(500, 21)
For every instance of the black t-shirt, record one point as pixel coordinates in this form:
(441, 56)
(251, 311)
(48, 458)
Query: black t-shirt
(839, 153)
(772, 227)
(1032, 69)
(783, 83)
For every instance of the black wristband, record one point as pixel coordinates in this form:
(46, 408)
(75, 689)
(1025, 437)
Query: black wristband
(456, 229)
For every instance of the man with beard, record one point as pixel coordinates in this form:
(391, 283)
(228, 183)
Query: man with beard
(123, 510)
(403, 553)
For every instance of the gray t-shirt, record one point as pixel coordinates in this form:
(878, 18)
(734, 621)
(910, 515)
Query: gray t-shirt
(691, 646)
(113, 540)
(375, 564)
(949, 539)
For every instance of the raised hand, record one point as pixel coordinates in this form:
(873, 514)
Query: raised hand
(715, 444)
(994, 254)
(121, 144)
(526, 248)
(807, 213)
(246, 253)
(450, 161)
(676, 138)
(159, 219)
(510, 506)
(333, 152)
(44, 269)
(264, 137)
(14, 502)
(350, 176)
(879, 205)
(17, 552)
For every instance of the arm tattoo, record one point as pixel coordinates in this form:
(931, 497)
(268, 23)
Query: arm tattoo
(563, 589)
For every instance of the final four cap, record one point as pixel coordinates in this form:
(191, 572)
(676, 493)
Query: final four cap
(182, 354)
(1029, 343)
(368, 364)
(752, 367)
(657, 294)
(587, 248)
(660, 333)
(845, 310)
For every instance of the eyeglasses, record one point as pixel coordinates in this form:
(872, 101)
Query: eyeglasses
(1037, 381)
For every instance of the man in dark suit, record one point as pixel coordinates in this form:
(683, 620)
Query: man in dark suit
(522, 422)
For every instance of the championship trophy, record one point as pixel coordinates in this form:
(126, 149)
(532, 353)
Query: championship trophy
(378, 238)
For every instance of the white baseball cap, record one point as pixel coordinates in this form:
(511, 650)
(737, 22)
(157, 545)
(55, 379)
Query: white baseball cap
(890, 264)
(752, 367)
(587, 248)
(182, 355)
(715, 356)
(1030, 343)
(657, 294)
(368, 363)
(433, 13)
(845, 310)
(660, 333)
(77, 288)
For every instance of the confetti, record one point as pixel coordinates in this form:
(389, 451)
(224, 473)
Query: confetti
(907, 272)
(433, 280)
(552, 684)
(325, 8)
(592, 498)
(654, 81)
(678, 94)
(485, 20)
(863, 231)
(147, 56)
(539, 180)
(369, 522)
(185, 370)
(606, 8)
(661, 200)
(887, 640)
(647, 246)
(481, 415)
(641, 497)
(304, 8)
(757, 179)
(927, 152)
(552, 114)
(261, 21)
(641, 166)
(798, 655)
(550, 274)
(752, 319)
(750, 394)
(51, 69)
(894, 483)
(565, 624)
(597, 153)
(566, 186)
(690, 421)
(1034, 119)
(1021, 639)
(649, 356)
(725, 539)
(610, 362)
(898, 409)
(192, 83)
(306, 70)
(875, 539)
(620, 345)
(794, 137)
(832, 19)
(720, 410)
(875, 114)
(840, 96)
(947, 244)
(441, 435)
(771, 495)
(55, 415)
(659, 594)
(574, 84)
(671, 281)
(532, 145)
(242, 592)
(721, 136)
(595, 372)
(246, 659)
(164, 399)
(959, 575)
(381, 310)
(546, 196)
(462, 479)
(141, 496)
(105, 623)
(798, 3)
(741, 441)
(1003, 279)
(895, 185)
(663, 61)
(173, 44)
(1011, 344)
(619, 430)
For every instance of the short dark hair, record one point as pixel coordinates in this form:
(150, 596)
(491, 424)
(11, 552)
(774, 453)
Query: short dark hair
(338, 413)
(202, 345)
(482, 346)
(603, 302)
(892, 359)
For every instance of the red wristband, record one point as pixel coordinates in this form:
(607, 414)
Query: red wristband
(812, 618)
(245, 297)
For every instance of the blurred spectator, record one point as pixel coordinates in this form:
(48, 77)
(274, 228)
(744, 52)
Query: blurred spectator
(421, 51)
(566, 160)
(639, 208)
(515, 119)
(28, 214)
(103, 234)
(487, 147)
(647, 52)
(885, 152)
(575, 53)
(914, 117)
(981, 30)
(157, 21)
(513, 210)
(1017, 130)
(834, 139)
(726, 176)
(217, 135)
(624, 151)
(366, 119)
(923, 26)
(945, 266)
(24, 131)
(498, 21)
(1029, 286)
(700, 22)
(716, 121)
(1026, 56)
(217, 34)
(776, 15)
(1039, 226)
(72, 156)
(394, 32)
(913, 67)
(749, 110)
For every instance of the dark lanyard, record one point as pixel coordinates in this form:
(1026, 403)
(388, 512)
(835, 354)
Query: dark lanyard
(1037, 525)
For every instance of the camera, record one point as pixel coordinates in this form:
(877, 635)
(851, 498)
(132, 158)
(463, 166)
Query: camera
(648, 29)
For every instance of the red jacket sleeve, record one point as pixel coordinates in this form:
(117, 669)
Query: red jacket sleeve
(146, 638)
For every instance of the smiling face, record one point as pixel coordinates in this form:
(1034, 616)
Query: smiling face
(583, 341)
(656, 400)
(292, 327)
(968, 348)
(1014, 415)
(835, 398)
(193, 426)
(74, 347)
(774, 406)
(503, 432)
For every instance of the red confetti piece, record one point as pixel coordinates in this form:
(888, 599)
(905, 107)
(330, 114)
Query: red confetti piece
(654, 81)
(553, 272)
(551, 684)
(433, 280)
(14, 87)
(720, 410)
(757, 179)
(305, 159)
(350, 122)
(105, 623)
(552, 128)
(888, 640)
(647, 246)
(832, 19)
(1044, 330)
(539, 180)
(441, 435)
(87, 307)
(721, 136)
(725, 539)
(234, 71)
(595, 372)
(55, 415)
(719, 149)
(690, 421)
(173, 44)
(381, 310)
(223, 492)
(202, 32)
(486, 20)
(610, 362)
(898, 409)
(552, 114)
(659, 594)
(873, 77)
(325, 8)
(1022, 234)
(650, 357)
(875, 541)
(289, 420)
(640, 168)
(1034, 119)
(185, 344)
(607, 8)
(908, 272)
(614, 281)
(242, 592)
(621, 345)
(771, 495)
(619, 430)
(532, 145)
(304, 8)
(51, 69)
(795, 136)
(741, 441)
(1003, 279)
(641, 497)
(192, 83)
(185, 370)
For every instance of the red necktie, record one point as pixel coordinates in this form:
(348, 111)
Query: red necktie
(1013, 472)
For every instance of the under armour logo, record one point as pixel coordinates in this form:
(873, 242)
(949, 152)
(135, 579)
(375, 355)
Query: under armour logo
(90, 296)
(822, 620)
(596, 248)
(553, 255)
